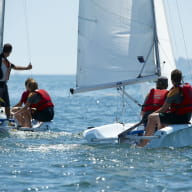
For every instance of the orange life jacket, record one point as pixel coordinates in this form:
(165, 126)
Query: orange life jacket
(186, 105)
(155, 100)
(44, 102)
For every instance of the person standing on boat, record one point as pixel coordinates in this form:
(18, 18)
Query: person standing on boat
(155, 98)
(5, 69)
(178, 101)
(39, 106)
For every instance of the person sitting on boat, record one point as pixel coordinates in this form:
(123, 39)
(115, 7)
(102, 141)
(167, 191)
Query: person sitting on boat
(39, 106)
(178, 101)
(24, 97)
(155, 98)
(5, 69)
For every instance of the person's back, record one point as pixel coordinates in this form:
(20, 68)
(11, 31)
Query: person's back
(156, 98)
(182, 106)
(40, 100)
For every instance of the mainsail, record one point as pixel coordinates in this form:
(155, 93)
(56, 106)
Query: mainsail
(117, 43)
(2, 12)
(167, 62)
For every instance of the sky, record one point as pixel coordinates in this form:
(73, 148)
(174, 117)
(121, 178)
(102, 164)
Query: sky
(44, 32)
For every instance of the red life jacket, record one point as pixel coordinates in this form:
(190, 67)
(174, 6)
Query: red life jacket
(186, 105)
(155, 100)
(44, 102)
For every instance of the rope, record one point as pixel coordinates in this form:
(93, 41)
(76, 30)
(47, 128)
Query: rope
(122, 92)
(27, 29)
(169, 15)
(182, 32)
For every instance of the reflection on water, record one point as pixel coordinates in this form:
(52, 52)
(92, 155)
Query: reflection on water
(60, 160)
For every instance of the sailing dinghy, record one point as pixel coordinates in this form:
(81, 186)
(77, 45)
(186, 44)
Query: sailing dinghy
(8, 125)
(121, 43)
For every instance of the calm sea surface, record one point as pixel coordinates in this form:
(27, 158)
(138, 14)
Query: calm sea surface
(61, 161)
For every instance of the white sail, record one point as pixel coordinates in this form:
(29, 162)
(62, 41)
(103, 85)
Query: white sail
(167, 61)
(2, 12)
(113, 34)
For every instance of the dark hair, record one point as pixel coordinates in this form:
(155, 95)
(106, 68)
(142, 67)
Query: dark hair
(162, 82)
(7, 48)
(176, 76)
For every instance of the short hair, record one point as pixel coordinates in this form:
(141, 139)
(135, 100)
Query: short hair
(28, 80)
(162, 82)
(7, 48)
(32, 85)
(176, 76)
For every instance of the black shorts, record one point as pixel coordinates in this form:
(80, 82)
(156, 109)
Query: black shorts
(4, 94)
(46, 114)
(172, 118)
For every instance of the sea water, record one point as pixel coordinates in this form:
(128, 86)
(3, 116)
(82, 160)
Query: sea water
(62, 161)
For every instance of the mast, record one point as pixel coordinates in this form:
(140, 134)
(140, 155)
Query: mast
(2, 22)
(2, 17)
(156, 41)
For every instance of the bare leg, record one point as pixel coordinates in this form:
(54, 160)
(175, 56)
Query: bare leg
(24, 118)
(152, 123)
(27, 122)
(20, 119)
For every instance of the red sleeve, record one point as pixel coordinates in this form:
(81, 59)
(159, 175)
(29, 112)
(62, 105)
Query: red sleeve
(24, 96)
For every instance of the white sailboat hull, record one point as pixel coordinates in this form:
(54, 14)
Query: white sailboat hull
(122, 47)
(173, 136)
(104, 134)
(6, 128)
(170, 136)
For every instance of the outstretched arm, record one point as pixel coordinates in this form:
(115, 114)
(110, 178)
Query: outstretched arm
(23, 68)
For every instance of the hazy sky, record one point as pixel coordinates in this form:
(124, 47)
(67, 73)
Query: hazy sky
(45, 32)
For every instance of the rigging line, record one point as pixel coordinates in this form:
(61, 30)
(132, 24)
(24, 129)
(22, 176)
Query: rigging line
(182, 32)
(123, 104)
(123, 107)
(124, 93)
(129, 96)
(118, 112)
(172, 34)
(27, 29)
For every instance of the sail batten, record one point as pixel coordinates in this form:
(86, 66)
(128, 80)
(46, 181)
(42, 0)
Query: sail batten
(116, 43)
